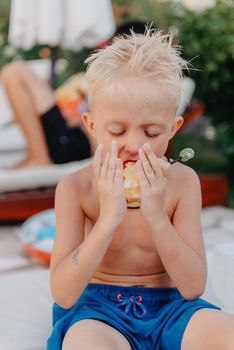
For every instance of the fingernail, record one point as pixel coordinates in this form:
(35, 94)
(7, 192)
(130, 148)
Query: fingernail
(146, 146)
(113, 145)
(100, 146)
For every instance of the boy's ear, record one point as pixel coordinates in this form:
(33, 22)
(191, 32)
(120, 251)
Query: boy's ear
(178, 122)
(88, 122)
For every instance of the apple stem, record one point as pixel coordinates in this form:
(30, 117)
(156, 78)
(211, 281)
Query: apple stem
(174, 160)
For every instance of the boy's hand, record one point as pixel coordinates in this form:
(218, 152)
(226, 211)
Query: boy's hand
(152, 173)
(108, 170)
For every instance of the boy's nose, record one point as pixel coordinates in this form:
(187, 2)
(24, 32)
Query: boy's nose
(132, 146)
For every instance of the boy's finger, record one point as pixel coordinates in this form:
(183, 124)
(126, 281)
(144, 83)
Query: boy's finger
(111, 170)
(143, 180)
(97, 159)
(104, 166)
(165, 166)
(146, 166)
(111, 166)
(114, 149)
(153, 160)
(118, 170)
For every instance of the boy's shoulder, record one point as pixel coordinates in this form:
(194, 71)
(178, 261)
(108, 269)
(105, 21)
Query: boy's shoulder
(185, 190)
(182, 176)
(79, 182)
(183, 171)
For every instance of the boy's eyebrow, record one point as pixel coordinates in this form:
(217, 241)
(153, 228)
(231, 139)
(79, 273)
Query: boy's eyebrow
(161, 125)
(113, 122)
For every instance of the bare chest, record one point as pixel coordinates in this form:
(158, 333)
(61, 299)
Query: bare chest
(132, 245)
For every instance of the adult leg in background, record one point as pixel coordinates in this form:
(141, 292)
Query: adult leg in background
(94, 335)
(29, 97)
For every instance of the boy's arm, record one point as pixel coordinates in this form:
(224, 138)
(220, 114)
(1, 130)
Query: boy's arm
(75, 260)
(180, 243)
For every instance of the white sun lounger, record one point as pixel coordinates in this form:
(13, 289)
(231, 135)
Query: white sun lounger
(41, 176)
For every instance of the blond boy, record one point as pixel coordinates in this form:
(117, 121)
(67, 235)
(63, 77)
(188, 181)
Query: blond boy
(131, 278)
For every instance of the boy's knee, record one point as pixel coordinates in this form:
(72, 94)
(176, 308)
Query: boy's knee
(13, 70)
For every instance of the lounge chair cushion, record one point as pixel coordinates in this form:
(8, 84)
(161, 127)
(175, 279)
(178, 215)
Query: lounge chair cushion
(36, 177)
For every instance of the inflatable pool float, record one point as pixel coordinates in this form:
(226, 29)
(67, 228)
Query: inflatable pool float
(37, 235)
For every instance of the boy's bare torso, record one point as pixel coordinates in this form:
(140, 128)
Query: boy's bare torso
(132, 258)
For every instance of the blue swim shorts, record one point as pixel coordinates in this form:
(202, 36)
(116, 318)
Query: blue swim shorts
(150, 318)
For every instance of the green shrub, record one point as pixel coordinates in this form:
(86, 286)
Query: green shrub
(207, 38)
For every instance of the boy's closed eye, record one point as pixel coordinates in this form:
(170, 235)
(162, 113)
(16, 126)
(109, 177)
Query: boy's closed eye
(122, 132)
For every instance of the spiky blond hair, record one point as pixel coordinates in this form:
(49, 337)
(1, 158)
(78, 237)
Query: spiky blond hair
(149, 56)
